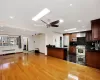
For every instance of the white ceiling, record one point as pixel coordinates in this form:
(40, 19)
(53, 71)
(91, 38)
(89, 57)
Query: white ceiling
(16, 31)
(24, 10)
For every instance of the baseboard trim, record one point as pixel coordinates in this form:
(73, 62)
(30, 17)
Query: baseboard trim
(19, 52)
(42, 53)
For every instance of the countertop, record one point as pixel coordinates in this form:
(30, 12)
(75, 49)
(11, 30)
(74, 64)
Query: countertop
(58, 47)
(92, 50)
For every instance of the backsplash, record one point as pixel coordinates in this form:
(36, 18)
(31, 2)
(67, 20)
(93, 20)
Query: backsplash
(94, 45)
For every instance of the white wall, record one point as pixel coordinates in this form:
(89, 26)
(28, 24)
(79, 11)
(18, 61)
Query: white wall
(40, 42)
(50, 39)
(56, 39)
(30, 43)
(36, 41)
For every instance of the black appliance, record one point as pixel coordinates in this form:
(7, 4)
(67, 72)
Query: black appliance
(24, 47)
(81, 40)
(73, 43)
(50, 45)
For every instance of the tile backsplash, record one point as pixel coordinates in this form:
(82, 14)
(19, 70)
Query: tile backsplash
(94, 45)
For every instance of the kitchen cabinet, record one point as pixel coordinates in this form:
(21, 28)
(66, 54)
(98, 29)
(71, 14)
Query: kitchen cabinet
(93, 59)
(72, 49)
(95, 26)
(73, 37)
(89, 36)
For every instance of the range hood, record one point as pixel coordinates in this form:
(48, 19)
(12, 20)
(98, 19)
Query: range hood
(81, 35)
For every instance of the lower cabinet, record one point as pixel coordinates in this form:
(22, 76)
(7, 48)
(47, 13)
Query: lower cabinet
(93, 59)
(72, 49)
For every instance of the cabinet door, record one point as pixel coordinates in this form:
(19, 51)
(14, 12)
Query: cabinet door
(70, 37)
(73, 37)
(72, 50)
(90, 59)
(93, 59)
(89, 36)
(95, 34)
(95, 29)
(99, 31)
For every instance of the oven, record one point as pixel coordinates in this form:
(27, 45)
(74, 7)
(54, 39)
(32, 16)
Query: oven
(80, 50)
(80, 54)
(80, 59)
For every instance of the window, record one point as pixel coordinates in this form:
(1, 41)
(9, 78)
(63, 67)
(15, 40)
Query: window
(8, 40)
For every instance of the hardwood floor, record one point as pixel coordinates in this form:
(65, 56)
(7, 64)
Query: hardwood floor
(40, 67)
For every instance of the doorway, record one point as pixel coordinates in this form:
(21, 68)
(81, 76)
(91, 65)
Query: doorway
(60, 41)
(25, 43)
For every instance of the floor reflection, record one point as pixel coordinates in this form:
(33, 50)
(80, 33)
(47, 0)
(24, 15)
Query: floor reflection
(25, 59)
(5, 65)
(6, 61)
(72, 77)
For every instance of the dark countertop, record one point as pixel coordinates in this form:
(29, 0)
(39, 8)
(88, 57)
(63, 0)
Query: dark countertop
(58, 47)
(92, 50)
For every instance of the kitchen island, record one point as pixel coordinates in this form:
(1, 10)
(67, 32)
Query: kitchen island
(57, 52)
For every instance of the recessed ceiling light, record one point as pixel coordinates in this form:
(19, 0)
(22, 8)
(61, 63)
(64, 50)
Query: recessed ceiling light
(70, 29)
(79, 21)
(61, 20)
(71, 4)
(11, 17)
(41, 14)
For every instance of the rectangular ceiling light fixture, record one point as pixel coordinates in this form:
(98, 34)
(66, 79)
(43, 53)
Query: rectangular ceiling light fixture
(70, 29)
(41, 14)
